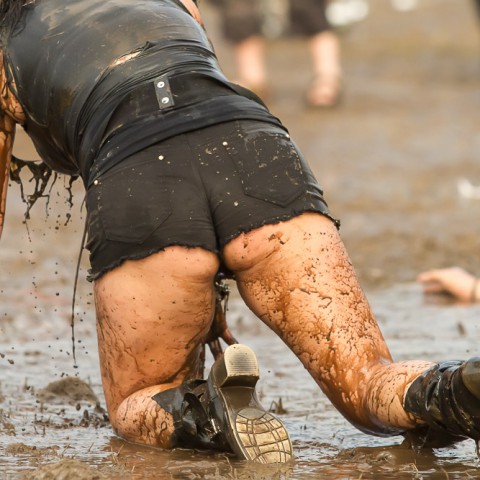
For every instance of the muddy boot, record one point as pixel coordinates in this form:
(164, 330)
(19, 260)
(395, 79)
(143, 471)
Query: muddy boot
(223, 413)
(447, 398)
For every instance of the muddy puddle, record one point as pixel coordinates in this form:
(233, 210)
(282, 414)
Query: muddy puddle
(399, 161)
(52, 413)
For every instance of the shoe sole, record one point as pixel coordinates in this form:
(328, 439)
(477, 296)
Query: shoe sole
(252, 433)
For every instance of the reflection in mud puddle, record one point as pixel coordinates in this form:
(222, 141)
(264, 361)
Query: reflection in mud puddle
(40, 426)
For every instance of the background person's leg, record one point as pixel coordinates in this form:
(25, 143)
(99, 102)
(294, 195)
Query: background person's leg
(309, 19)
(325, 53)
(241, 24)
(296, 276)
(250, 58)
(152, 316)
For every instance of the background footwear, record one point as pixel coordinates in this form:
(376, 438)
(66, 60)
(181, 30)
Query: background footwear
(324, 92)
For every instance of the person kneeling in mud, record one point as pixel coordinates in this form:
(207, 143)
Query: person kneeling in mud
(186, 176)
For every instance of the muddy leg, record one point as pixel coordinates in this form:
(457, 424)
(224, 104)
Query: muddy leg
(296, 276)
(152, 316)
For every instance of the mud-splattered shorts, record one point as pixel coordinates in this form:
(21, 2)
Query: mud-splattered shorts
(199, 189)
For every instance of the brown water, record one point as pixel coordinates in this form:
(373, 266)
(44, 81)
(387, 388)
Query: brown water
(390, 160)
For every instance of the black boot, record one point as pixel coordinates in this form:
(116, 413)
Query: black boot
(224, 414)
(447, 398)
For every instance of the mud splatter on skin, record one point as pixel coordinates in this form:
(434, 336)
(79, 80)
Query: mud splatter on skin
(300, 282)
(10, 113)
(7, 132)
(150, 338)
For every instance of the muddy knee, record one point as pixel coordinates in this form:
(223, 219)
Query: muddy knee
(152, 316)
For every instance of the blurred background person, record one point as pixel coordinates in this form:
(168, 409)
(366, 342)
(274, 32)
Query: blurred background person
(243, 25)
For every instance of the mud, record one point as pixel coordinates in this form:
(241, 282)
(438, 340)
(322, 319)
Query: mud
(399, 162)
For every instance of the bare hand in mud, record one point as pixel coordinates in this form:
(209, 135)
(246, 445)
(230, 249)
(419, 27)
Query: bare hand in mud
(454, 281)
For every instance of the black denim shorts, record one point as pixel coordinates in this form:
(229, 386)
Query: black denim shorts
(199, 189)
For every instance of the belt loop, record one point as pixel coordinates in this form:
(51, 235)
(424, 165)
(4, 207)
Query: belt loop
(163, 92)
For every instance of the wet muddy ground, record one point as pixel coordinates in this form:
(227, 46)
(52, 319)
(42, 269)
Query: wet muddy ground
(399, 160)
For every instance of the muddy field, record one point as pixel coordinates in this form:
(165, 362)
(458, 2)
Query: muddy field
(399, 162)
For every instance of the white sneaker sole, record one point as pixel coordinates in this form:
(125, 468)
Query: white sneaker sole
(253, 433)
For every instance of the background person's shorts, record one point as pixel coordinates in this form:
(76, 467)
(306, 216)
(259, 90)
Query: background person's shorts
(308, 17)
(199, 189)
(242, 19)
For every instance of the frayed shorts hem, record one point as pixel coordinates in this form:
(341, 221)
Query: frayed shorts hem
(93, 276)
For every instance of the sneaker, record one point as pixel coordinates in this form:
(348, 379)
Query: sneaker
(251, 432)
